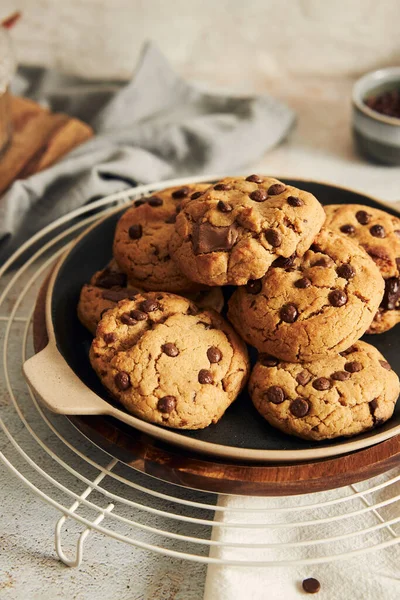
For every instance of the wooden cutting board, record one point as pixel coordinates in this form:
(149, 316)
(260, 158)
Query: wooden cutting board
(39, 139)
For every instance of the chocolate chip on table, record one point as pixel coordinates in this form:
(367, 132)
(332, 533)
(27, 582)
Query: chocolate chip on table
(253, 286)
(209, 238)
(224, 206)
(283, 262)
(377, 231)
(288, 313)
(268, 361)
(347, 228)
(108, 279)
(340, 375)
(166, 404)
(127, 319)
(353, 367)
(196, 195)
(337, 298)
(181, 193)
(392, 293)
(214, 354)
(115, 295)
(321, 384)
(363, 217)
(273, 237)
(385, 365)
(170, 349)
(311, 585)
(171, 219)
(259, 195)
(122, 381)
(275, 394)
(135, 232)
(299, 407)
(346, 271)
(223, 187)
(302, 283)
(255, 178)
(155, 201)
(276, 188)
(138, 315)
(150, 306)
(294, 201)
(303, 377)
(205, 376)
(109, 338)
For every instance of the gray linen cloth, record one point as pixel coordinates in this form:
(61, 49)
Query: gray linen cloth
(155, 127)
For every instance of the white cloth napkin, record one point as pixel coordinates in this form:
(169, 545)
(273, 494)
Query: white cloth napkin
(371, 576)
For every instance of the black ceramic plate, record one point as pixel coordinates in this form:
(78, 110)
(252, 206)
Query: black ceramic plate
(241, 427)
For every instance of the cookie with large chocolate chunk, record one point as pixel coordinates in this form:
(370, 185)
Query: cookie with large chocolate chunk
(142, 236)
(168, 362)
(240, 226)
(319, 305)
(378, 233)
(342, 395)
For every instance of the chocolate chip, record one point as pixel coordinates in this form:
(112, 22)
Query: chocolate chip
(283, 262)
(377, 231)
(294, 201)
(224, 206)
(254, 286)
(108, 279)
(353, 367)
(340, 375)
(377, 252)
(214, 354)
(205, 376)
(166, 404)
(346, 271)
(363, 217)
(170, 349)
(349, 351)
(303, 377)
(392, 293)
(288, 313)
(302, 283)
(276, 188)
(275, 394)
(115, 295)
(196, 195)
(139, 203)
(273, 237)
(337, 298)
(138, 315)
(259, 195)
(109, 338)
(255, 178)
(181, 193)
(171, 219)
(208, 238)
(325, 262)
(321, 384)
(155, 201)
(267, 361)
(127, 319)
(150, 306)
(135, 232)
(223, 187)
(122, 381)
(385, 365)
(299, 407)
(347, 228)
(311, 585)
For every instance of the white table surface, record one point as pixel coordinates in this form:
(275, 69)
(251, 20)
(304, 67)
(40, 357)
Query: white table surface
(320, 148)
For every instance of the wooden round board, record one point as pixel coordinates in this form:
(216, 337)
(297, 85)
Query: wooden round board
(189, 469)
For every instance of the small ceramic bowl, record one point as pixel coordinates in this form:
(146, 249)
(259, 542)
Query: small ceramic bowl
(376, 136)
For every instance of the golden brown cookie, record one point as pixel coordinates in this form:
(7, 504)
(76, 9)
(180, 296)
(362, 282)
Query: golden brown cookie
(307, 308)
(142, 236)
(237, 228)
(379, 233)
(342, 395)
(169, 363)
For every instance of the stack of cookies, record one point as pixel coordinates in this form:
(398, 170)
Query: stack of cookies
(308, 285)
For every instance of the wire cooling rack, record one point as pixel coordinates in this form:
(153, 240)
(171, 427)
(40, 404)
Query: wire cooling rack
(96, 492)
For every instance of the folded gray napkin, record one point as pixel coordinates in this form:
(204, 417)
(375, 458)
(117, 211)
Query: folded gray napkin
(155, 127)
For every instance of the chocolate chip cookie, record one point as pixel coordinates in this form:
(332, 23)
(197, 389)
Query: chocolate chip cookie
(306, 308)
(341, 395)
(168, 362)
(238, 227)
(379, 233)
(141, 240)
